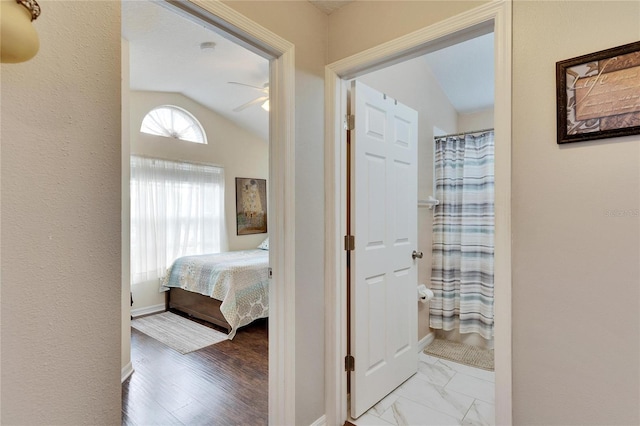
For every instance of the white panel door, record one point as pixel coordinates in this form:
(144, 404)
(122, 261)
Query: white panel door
(384, 203)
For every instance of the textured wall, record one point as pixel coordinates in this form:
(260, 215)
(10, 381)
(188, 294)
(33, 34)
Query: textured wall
(576, 277)
(61, 280)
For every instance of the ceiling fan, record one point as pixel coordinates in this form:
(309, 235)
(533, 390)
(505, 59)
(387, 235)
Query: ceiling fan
(263, 99)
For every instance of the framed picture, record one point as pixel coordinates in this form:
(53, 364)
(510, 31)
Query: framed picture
(251, 206)
(599, 95)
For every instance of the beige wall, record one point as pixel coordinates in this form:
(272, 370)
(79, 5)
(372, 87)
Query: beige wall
(370, 23)
(239, 152)
(61, 280)
(570, 260)
(413, 84)
(306, 27)
(576, 277)
(472, 121)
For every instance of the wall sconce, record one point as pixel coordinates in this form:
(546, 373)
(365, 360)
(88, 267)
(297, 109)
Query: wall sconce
(18, 38)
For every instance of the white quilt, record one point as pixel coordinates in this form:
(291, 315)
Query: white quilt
(240, 279)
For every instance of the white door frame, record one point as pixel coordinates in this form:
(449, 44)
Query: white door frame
(496, 14)
(281, 220)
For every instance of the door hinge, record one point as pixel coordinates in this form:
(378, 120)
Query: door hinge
(349, 122)
(349, 242)
(270, 273)
(349, 363)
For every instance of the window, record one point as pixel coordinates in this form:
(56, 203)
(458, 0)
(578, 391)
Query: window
(173, 122)
(177, 209)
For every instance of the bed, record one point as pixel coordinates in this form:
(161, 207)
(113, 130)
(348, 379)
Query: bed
(229, 289)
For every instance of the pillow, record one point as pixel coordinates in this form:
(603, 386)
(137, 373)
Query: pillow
(264, 245)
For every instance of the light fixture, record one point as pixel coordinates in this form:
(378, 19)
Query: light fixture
(18, 38)
(265, 105)
(208, 45)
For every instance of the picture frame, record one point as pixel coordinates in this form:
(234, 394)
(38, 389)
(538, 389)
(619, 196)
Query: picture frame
(251, 206)
(598, 95)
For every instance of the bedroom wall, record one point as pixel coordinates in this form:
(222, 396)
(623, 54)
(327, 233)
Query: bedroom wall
(241, 153)
(306, 27)
(413, 84)
(60, 174)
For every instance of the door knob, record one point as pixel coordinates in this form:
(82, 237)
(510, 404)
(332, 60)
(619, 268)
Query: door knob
(417, 254)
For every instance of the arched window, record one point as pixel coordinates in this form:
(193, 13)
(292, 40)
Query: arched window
(173, 122)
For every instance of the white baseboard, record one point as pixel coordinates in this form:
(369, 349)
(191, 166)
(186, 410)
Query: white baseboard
(322, 421)
(127, 370)
(424, 342)
(147, 310)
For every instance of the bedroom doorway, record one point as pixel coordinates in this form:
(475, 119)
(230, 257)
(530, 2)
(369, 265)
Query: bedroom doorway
(258, 123)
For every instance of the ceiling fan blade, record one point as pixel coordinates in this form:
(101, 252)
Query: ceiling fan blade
(266, 87)
(251, 103)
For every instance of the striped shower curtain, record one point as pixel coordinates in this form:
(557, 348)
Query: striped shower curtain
(463, 235)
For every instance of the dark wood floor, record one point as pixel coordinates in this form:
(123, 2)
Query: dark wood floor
(223, 384)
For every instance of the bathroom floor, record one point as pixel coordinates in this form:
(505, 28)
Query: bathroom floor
(442, 393)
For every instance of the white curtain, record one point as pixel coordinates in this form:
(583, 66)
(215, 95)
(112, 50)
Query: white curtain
(177, 209)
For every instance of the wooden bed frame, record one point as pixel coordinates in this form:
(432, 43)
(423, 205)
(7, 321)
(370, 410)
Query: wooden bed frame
(197, 305)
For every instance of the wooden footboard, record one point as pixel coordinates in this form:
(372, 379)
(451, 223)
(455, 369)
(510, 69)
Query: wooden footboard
(198, 306)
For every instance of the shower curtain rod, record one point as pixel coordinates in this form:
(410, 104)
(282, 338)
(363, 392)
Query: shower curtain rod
(462, 133)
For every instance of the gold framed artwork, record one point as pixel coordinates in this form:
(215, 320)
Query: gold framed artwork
(251, 206)
(598, 95)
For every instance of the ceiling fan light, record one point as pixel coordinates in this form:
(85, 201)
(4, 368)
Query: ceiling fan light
(265, 105)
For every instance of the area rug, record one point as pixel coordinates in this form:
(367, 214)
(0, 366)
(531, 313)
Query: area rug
(461, 353)
(177, 332)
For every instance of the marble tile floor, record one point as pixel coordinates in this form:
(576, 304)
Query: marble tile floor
(441, 393)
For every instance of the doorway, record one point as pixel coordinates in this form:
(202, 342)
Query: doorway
(482, 20)
(183, 75)
(452, 90)
(232, 25)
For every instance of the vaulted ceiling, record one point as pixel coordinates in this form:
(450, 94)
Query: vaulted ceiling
(465, 72)
(166, 55)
